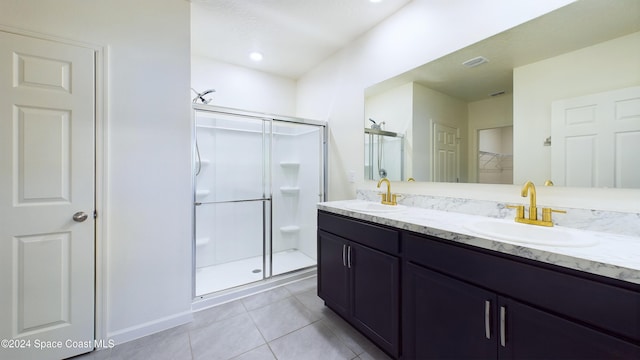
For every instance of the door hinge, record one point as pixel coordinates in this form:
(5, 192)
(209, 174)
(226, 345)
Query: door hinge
(95, 214)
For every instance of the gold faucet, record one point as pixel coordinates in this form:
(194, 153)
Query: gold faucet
(388, 198)
(530, 190)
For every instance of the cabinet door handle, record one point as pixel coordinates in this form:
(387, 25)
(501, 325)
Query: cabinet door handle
(503, 323)
(349, 257)
(487, 319)
(344, 255)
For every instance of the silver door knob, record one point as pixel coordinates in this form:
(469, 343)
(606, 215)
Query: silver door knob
(80, 216)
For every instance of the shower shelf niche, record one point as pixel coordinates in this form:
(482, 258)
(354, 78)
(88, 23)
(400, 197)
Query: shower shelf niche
(202, 193)
(290, 229)
(290, 165)
(202, 241)
(290, 190)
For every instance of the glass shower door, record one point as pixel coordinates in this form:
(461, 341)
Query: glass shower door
(232, 200)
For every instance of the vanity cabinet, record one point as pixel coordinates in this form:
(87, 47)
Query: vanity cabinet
(449, 318)
(459, 302)
(463, 302)
(445, 318)
(359, 276)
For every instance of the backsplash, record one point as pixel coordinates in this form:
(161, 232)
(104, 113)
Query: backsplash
(585, 219)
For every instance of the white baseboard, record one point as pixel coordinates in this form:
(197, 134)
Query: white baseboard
(152, 327)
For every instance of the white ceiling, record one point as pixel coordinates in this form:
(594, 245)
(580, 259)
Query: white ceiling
(293, 35)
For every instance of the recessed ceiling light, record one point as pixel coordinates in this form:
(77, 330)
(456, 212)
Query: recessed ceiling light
(255, 56)
(375, 1)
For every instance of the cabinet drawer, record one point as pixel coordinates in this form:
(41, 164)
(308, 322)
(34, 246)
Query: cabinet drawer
(375, 236)
(600, 304)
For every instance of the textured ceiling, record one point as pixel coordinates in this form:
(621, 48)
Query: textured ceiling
(293, 35)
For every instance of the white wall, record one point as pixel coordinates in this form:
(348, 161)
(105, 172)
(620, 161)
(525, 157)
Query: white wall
(146, 253)
(243, 88)
(602, 67)
(420, 32)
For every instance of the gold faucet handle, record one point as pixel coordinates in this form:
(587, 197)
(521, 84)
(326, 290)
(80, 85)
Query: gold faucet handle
(519, 210)
(546, 213)
(394, 199)
(384, 197)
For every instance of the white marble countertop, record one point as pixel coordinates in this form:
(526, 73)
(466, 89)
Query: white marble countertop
(612, 255)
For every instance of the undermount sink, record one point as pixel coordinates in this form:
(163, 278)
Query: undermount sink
(375, 207)
(529, 234)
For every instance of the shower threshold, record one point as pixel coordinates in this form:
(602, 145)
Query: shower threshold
(220, 277)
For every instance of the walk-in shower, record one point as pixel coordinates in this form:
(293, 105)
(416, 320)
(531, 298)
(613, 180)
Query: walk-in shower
(257, 180)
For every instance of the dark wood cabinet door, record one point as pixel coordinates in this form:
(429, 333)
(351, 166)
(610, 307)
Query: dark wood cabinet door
(444, 318)
(375, 303)
(535, 334)
(333, 275)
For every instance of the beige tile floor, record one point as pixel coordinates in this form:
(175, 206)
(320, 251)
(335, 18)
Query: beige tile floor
(288, 322)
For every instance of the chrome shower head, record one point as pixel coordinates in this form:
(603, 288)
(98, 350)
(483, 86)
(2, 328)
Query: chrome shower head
(200, 96)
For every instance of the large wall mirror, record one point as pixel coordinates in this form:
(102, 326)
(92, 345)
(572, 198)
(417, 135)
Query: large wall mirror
(556, 98)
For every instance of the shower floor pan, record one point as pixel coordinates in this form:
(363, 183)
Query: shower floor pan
(215, 278)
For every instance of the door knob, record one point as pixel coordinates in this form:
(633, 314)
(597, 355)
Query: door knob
(80, 216)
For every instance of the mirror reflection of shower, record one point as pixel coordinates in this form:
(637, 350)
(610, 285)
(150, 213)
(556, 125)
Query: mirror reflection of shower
(384, 153)
(375, 126)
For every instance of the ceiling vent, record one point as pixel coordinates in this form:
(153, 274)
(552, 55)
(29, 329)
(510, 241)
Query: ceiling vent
(475, 61)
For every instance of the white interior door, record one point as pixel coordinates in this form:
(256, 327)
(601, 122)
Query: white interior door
(596, 140)
(46, 176)
(445, 153)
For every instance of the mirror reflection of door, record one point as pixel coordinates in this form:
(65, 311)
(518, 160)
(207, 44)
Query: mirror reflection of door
(495, 155)
(445, 153)
(596, 139)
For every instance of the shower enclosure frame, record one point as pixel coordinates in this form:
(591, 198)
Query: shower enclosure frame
(266, 214)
